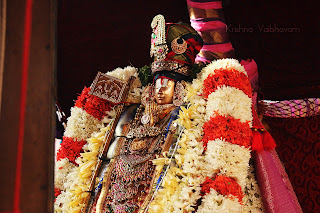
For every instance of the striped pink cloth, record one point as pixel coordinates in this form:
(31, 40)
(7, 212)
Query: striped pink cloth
(277, 192)
(207, 18)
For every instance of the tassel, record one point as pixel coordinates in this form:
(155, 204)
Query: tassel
(268, 141)
(256, 141)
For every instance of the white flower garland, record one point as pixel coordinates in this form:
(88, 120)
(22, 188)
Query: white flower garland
(252, 200)
(220, 158)
(230, 101)
(62, 168)
(74, 180)
(214, 202)
(181, 194)
(227, 63)
(229, 159)
(81, 124)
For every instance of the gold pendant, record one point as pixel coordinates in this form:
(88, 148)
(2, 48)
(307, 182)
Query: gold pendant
(145, 119)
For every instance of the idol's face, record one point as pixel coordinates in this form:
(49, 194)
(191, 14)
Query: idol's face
(164, 90)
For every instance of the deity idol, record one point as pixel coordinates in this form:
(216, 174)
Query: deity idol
(167, 155)
(130, 178)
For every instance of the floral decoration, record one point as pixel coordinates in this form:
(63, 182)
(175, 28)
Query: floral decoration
(93, 105)
(210, 170)
(223, 185)
(70, 149)
(229, 128)
(227, 77)
(57, 192)
(83, 137)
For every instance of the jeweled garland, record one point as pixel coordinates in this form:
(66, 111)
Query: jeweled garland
(83, 137)
(211, 171)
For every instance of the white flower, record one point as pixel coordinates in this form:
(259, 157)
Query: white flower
(124, 74)
(230, 101)
(201, 109)
(252, 199)
(188, 196)
(214, 202)
(230, 159)
(62, 168)
(62, 200)
(227, 63)
(71, 179)
(81, 124)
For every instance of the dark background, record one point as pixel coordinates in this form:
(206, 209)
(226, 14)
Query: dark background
(101, 36)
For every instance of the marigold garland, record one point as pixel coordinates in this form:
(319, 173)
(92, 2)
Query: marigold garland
(223, 185)
(227, 77)
(229, 128)
(93, 105)
(70, 149)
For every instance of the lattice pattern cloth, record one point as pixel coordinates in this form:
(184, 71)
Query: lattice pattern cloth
(290, 108)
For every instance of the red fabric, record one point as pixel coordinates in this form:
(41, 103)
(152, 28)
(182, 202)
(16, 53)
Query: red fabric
(225, 47)
(193, 48)
(251, 68)
(206, 26)
(260, 135)
(298, 147)
(205, 4)
(256, 141)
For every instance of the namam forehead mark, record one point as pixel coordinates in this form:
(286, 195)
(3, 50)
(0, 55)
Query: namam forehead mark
(164, 91)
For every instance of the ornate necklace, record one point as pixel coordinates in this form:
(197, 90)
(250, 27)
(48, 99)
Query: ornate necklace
(153, 114)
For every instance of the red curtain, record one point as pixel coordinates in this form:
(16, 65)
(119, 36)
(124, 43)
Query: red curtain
(299, 149)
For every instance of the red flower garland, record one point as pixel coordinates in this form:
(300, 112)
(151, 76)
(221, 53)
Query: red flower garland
(229, 128)
(57, 192)
(92, 104)
(228, 77)
(223, 185)
(70, 149)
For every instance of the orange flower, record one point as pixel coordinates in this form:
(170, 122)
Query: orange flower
(71, 149)
(229, 128)
(92, 104)
(223, 185)
(227, 77)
